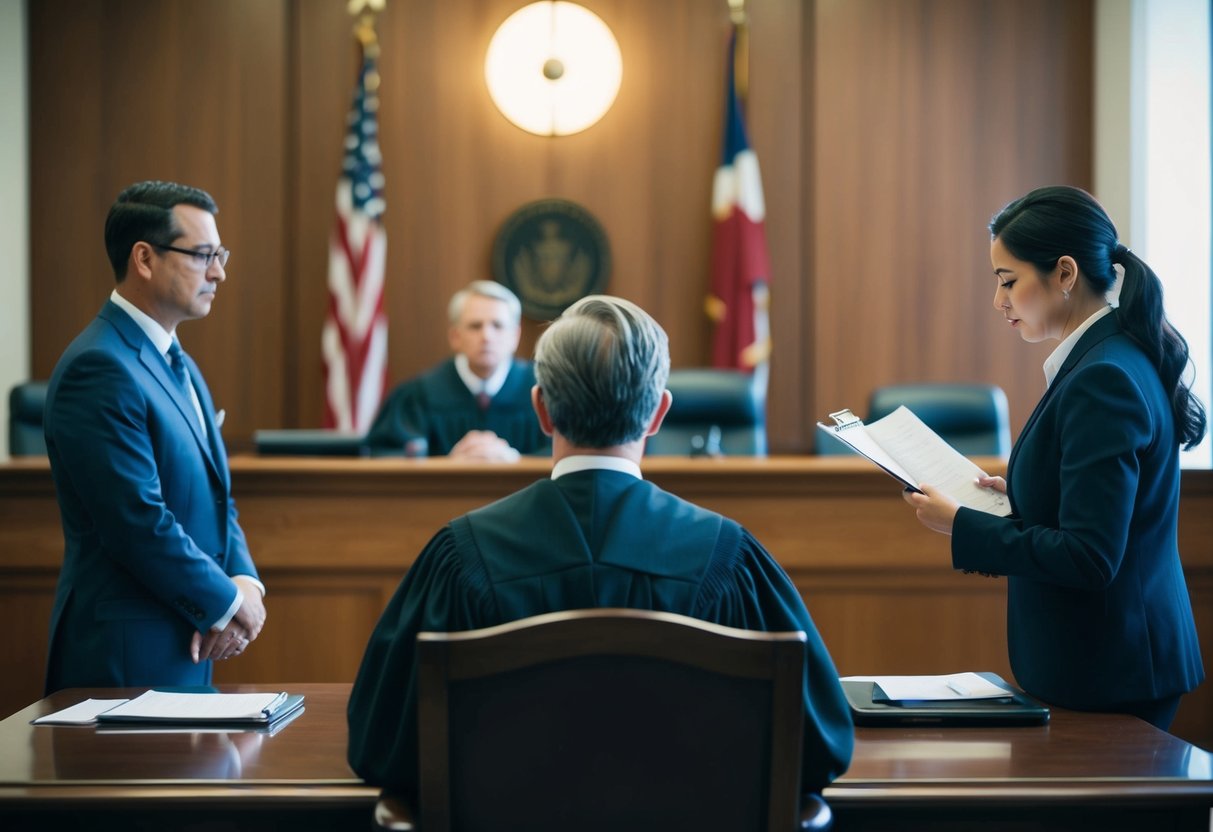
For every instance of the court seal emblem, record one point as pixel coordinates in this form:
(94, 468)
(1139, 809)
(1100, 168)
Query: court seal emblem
(551, 253)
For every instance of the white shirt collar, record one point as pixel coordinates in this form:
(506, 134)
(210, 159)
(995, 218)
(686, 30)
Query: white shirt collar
(1058, 356)
(159, 337)
(594, 462)
(491, 385)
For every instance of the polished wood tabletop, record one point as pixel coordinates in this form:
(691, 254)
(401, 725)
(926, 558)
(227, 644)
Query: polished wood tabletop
(1073, 748)
(304, 758)
(1074, 752)
(1068, 771)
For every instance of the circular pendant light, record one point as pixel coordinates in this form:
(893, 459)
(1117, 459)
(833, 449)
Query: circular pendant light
(553, 68)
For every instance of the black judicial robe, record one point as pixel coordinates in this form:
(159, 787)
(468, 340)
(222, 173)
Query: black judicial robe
(588, 539)
(438, 407)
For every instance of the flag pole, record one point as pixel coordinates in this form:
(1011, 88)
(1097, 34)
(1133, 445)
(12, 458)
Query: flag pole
(741, 53)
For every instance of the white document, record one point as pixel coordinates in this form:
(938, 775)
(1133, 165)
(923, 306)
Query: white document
(196, 707)
(906, 448)
(935, 688)
(82, 713)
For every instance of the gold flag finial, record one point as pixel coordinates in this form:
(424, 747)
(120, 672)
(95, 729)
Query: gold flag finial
(364, 29)
(741, 52)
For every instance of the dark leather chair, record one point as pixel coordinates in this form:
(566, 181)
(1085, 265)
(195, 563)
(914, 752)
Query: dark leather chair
(714, 412)
(609, 719)
(26, 401)
(972, 418)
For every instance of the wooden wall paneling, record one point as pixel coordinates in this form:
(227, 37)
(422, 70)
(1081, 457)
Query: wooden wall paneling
(317, 628)
(907, 622)
(777, 120)
(324, 69)
(652, 175)
(929, 116)
(170, 90)
(456, 169)
(68, 193)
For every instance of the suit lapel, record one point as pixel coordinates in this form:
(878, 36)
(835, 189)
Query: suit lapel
(1101, 330)
(157, 367)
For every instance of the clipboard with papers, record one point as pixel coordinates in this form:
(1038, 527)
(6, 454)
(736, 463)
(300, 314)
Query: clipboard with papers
(906, 449)
(975, 699)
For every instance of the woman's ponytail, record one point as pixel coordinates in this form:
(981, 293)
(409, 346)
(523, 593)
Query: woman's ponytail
(1143, 317)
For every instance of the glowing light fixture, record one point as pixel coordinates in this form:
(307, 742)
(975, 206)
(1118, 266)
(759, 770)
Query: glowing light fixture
(553, 68)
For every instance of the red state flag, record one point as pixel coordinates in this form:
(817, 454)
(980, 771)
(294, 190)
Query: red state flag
(740, 263)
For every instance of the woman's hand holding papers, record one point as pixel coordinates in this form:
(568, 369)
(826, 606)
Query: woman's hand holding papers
(935, 510)
(997, 483)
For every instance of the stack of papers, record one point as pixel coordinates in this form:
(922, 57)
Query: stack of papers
(165, 706)
(934, 688)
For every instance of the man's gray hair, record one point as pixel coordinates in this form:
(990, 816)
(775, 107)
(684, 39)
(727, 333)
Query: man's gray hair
(485, 289)
(602, 367)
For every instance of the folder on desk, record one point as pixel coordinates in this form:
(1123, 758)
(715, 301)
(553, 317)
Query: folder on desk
(269, 729)
(212, 709)
(870, 706)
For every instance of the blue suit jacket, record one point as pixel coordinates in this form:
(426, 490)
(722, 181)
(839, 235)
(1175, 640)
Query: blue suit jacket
(1098, 610)
(149, 525)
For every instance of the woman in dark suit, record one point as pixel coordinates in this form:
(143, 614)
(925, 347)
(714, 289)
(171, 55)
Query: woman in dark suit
(1098, 616)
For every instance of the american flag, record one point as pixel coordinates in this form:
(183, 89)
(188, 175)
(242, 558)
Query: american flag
(354, 340)
(740, 264)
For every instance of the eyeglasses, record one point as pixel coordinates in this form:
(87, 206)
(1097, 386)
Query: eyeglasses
(202, 258)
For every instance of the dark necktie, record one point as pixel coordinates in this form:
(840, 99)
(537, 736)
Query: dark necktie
(483, 399)
(176, 363)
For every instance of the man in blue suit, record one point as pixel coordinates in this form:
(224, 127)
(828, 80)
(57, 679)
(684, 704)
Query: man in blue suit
(157, 580)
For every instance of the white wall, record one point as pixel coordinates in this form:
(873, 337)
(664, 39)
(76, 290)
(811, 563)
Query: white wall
(14, 207)
(1152, 158)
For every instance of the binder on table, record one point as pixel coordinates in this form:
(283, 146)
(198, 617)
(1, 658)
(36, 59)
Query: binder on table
(871, 707)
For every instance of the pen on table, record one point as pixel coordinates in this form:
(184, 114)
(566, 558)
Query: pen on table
(269, 709)
(958, 687)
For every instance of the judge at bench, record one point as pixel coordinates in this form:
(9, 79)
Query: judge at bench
(594, 534)
(475, 405)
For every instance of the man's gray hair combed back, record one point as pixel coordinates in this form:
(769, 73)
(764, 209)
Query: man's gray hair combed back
(486, 289)
(602, 367)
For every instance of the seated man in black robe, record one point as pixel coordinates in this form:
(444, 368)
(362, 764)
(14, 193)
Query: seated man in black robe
(475, 405)
(596, 534)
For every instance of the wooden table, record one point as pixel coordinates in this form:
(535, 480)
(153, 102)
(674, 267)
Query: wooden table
(54, 777)
(1081, 771)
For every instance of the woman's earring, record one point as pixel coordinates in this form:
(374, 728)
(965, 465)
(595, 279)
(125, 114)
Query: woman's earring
(1065, 295)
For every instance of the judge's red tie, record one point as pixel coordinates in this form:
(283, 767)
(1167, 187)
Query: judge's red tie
(483, 399)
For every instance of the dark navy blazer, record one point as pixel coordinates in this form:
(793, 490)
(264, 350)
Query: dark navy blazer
(1098, 611)
(149, 525)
